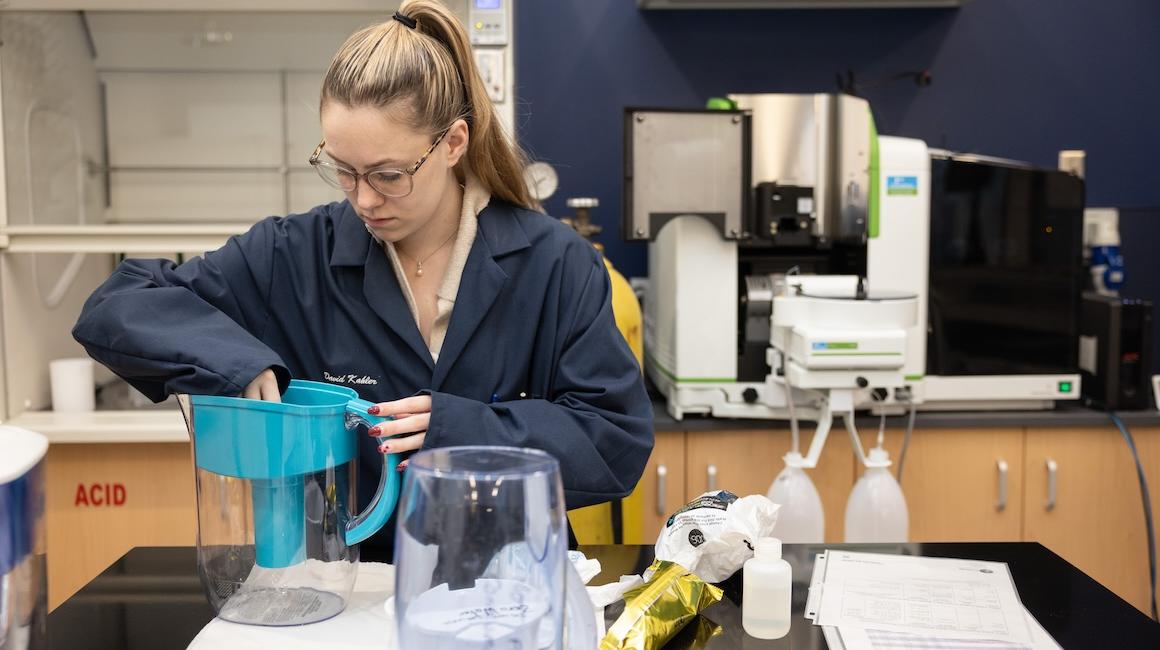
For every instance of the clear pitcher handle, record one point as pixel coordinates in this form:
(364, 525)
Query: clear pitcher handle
(369, 521)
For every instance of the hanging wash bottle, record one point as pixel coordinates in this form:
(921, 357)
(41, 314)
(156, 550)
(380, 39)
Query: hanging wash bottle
(876, 509)
(800, 518)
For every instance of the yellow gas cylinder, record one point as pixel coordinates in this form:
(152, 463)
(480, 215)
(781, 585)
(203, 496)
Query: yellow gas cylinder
(626, 310)
(625, 307)
(593, 525)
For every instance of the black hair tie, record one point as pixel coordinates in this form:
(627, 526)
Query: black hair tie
(406, 20)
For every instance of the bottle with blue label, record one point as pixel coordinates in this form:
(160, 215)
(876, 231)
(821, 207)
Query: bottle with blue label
(1102, 241)
(1107, 269)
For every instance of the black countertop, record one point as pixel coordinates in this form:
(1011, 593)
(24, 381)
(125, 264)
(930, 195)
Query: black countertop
(151, 598)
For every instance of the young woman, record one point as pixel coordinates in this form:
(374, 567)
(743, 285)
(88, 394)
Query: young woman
(433, 289)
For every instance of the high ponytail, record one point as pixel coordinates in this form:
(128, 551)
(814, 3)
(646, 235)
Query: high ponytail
(431, 66)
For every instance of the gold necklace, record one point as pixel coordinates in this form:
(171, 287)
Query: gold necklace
(419, 263)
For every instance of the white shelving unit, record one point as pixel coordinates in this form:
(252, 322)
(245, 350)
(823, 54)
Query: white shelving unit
(117, 238)
(159, 425)
(147, 129)
(204, 5)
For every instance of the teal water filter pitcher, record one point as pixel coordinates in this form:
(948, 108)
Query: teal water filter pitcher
(276, 486)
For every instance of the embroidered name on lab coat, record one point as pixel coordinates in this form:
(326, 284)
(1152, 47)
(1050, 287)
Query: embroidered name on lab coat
(360, 380)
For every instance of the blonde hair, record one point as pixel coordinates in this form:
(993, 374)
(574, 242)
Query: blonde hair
(431, 70)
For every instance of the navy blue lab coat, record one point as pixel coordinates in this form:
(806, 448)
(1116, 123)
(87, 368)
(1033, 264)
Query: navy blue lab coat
(532, 356)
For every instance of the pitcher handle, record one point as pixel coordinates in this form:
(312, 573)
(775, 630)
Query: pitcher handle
(369, 521)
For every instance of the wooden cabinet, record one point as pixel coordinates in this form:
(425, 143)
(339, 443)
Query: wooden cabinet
(103, 499)
(746, 461)
(660, 492)
(1094, 516)
(961, 485)
(743, 462)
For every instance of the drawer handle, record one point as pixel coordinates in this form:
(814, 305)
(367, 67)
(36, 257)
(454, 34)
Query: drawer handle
(662, 475)
(711, 477)
(1002, 503)
(1052, 471)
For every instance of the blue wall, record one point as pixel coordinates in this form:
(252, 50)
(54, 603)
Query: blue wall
(1014, 78)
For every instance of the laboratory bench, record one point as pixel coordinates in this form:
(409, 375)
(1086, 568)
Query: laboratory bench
(152, 598)
(1064, 478)
(123, 479)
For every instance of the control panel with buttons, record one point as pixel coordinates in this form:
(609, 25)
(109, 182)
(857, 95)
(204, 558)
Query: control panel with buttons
(488, 22)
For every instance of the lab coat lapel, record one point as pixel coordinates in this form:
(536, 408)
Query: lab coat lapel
(483, 279)
(385, 296)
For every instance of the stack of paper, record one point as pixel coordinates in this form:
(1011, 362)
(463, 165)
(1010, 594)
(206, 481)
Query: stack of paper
(873, 601)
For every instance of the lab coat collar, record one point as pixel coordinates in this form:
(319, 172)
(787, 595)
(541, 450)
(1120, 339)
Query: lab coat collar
(352, 241)
(483, 279)
(499, 234)
(501, 229)
(385, 296)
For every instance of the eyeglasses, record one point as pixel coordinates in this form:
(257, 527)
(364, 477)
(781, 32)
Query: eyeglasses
(392, 183)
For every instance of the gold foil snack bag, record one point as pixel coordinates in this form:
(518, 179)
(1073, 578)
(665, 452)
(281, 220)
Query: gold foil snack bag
(657, 610)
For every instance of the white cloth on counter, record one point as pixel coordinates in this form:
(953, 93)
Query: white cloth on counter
(586, 568)
(363, 624)
(604, 595)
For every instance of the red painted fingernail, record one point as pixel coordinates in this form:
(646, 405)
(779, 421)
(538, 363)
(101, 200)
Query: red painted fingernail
(401, 466)
(373, 410)
(384, 448)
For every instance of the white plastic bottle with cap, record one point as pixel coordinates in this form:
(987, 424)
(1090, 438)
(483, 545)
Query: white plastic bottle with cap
(800, 519)
(876, 510)
(767, 583)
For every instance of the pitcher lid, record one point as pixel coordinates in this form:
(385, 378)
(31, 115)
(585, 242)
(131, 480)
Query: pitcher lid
(22, 450)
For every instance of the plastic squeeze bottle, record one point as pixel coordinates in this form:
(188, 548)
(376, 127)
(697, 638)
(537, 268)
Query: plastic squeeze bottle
(765, 599)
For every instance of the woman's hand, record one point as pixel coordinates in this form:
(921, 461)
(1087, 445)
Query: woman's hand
(409, 428)
(264, 387)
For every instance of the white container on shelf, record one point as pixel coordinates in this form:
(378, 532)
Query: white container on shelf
(73, 389)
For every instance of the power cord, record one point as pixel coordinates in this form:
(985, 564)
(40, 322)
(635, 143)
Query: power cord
(1147, 506)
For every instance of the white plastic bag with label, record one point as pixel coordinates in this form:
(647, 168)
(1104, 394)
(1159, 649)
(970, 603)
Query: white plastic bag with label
(714, 534)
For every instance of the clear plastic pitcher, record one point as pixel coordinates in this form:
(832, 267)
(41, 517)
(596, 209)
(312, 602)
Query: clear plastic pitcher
(481, 554)
(276, 486)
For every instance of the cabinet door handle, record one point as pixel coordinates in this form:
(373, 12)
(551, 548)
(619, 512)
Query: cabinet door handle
(1001, 505)
(1052, 471)
(711, 478)
(662, 475)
